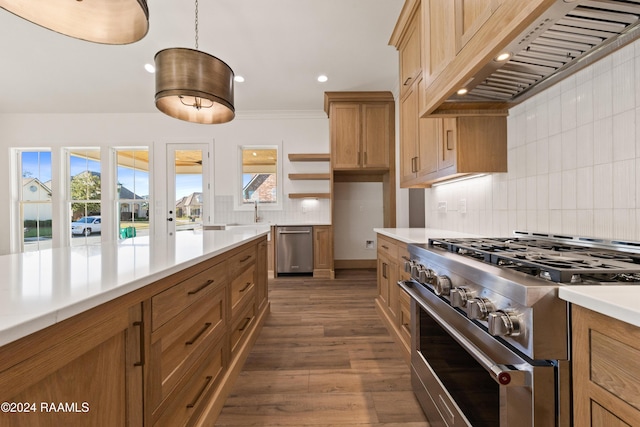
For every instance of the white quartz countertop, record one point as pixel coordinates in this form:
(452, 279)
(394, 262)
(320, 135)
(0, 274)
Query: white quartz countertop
(419, 235)
(619, 302)
(42, 288)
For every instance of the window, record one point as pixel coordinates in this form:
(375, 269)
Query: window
(259, 175)
(133, 192)
(85, 190)
(35, 199)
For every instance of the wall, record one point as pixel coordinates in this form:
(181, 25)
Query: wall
(573, 154)
(358, 208)
(294, 132)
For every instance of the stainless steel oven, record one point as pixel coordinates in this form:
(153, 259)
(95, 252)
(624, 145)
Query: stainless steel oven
(464, 377)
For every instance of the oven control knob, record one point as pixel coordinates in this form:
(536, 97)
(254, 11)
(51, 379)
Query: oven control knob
(479, 308)
(442, 285)
(426, 275)
(408, 265)
(459, 297)
(503, 324)
(415, 269)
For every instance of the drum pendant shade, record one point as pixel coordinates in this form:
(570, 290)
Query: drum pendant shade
(99, 21)
(194, 86)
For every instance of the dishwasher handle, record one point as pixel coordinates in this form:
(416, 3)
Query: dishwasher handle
(294, 232)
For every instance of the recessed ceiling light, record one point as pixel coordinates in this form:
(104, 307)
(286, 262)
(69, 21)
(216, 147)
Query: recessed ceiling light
(503, 57)
(150, 68)
(462, 91)
(238, 79)
(322, 78)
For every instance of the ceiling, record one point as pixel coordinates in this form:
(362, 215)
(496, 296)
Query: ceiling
(279, 46)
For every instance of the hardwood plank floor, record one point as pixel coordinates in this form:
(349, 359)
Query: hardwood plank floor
(323, 359)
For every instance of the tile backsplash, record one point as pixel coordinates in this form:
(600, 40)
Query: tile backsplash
(294, 211)
(573, 152)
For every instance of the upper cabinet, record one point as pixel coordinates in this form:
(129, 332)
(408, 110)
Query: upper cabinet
(361, 129)
(442, 147)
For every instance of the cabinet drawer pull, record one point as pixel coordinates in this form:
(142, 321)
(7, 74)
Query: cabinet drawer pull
(384, 270)
(404, 257)
(406, 82)
(195, 291)
(386, 248)
(247, 320)
(194, 339)
(206, 384)
(140, 324)
(246, 287)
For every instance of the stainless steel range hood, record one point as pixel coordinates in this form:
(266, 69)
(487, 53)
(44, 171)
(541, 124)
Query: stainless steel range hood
(567, 37)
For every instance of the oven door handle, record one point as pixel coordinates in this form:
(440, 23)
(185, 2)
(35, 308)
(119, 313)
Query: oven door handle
(502, 374)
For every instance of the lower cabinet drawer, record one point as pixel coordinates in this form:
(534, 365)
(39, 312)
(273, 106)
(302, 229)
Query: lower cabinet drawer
(242, 287)
(186, 404)
(183, 339)
(242, 326)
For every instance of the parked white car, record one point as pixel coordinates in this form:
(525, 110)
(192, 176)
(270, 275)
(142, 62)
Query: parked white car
(86, 225)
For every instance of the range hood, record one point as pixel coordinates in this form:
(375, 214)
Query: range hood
(567, 37)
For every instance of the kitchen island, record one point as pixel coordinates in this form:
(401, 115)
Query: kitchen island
(134, 332)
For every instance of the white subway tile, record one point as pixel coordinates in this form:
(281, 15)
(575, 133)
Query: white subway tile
(584, 225)
(602, 66)
(542, 188)
(603, 141)
(623, 55)
(569, 149)
(555, 221)
(603, 223)
(532, 220)
(570, 222)
(624, 96)
(542, 156)
(521, 194)
(531, 158)
(569, 109)
(602, 93)
(584, 145)
(555, 115)
(624, 135)
(603, 186)
(542, 119)
(555, 190)
(531, 192)
(624, 224)
(584, 188)
(624, 184)
(584, 101)
(569, 189)
(543, 221)
(555, 153)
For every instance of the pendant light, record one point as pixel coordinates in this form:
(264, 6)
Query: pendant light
(194, 86)
(99, 21)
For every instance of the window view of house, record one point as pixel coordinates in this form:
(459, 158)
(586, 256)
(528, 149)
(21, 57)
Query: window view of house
(188, 189)
(133, 192)
(35, 199)
(259, 175)
(85, 195)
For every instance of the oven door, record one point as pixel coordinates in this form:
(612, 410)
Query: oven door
(463, 376)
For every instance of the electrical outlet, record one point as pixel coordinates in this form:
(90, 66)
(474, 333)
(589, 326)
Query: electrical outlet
(442, 206)
(462, 206)
(368, 244)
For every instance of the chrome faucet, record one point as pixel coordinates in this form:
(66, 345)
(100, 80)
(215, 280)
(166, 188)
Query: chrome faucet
(256, 218)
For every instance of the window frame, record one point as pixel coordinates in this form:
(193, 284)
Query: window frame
(238, 196)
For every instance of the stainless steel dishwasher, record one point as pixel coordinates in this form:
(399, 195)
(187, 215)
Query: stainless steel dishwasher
(294, 249)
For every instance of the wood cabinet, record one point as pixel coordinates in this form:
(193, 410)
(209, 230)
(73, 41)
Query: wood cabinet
(323, 251)
(393, 303)
(606, 391)
(410, 53)
(440, 44)
(361, 127)
(80, 372)
(470, 16)
(163, 355)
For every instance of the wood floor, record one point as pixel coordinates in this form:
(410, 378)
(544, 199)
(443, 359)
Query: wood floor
(323, 359)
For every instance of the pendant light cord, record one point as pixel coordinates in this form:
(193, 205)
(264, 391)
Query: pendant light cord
(196, 24)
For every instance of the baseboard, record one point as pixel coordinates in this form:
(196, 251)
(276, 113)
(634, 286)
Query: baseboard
(343, 264)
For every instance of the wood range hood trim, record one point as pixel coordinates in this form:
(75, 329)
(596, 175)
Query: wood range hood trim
(599, 26)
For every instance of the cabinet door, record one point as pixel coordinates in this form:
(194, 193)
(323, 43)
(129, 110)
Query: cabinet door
(470, 17)
(322, 254)
(447, 146)
(345, 124)
(441, 44)
(410, 55)
(376, 131)
(430, 131)
(409, 135)
(96, 375)
(383, 278)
